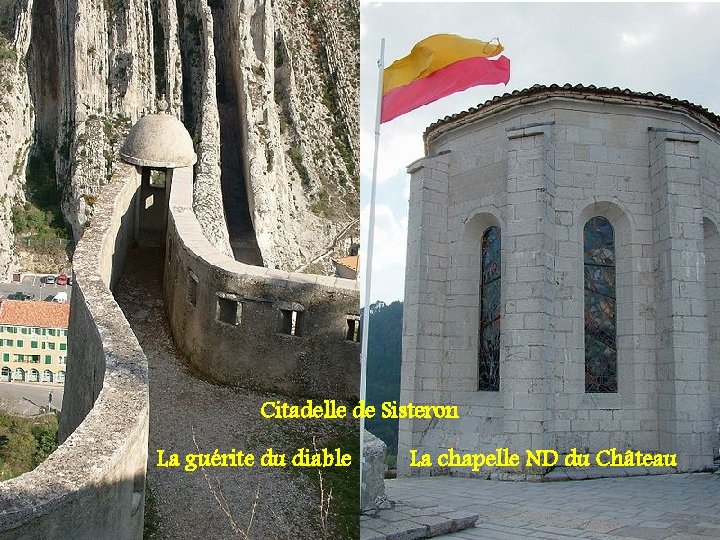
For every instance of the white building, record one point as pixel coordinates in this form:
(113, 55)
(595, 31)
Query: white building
(33, 341)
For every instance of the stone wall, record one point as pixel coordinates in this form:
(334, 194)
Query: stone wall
(233, 321)
(539, 171)
(93, 485)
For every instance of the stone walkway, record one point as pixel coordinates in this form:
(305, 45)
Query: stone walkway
(190, 415)
(667, 507)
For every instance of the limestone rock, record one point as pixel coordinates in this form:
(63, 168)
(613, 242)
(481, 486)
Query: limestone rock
(269, 92)
(16, 118)
(373, 487)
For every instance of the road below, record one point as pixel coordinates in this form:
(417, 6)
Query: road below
(27, 398)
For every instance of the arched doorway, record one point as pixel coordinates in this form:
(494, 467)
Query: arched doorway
(6, 375)
(20, 374)
(47, 376)
(61, 377)
(34, 375)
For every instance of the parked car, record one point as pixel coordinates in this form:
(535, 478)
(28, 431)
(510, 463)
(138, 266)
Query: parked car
(49, 280)
(61, 297)
(62, 279)
(17, 296)
(28, 297)
(70, 280)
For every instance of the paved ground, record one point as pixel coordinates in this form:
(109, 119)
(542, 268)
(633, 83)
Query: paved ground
(27, 398)
(667, 507)
(32, 284)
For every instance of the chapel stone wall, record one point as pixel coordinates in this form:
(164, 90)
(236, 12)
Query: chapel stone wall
(539, 168)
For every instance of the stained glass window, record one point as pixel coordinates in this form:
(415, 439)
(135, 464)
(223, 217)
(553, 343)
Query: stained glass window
(600, 320)
(489, 346)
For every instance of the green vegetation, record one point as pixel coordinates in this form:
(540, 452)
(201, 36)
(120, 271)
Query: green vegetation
(383, 369)
(283, 104)
(341, 137)
(116, 128)
(25, 442)
(343, 481)
(113, 6)
(40, 218)
(296, 157)
(7, 53)
(259, 70)
(321, 207)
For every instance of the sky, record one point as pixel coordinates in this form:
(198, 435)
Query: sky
(668, 48)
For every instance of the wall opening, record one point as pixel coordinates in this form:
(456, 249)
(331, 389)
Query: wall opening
(153, 210)
(158, 178)
(291, 322)
(228, 311)
(353, 328)
(600, 311)
(490, 309)
(192, 288)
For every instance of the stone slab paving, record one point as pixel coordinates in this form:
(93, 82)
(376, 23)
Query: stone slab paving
(415, 518)
(665, 507)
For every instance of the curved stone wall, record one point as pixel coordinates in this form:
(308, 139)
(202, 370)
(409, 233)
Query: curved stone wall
(93, 485)
(234, 322)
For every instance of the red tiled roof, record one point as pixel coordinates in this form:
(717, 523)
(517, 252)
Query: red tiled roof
(590, 93)
(351, 262)
(35, 314)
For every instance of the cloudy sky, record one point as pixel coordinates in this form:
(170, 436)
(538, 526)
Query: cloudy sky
(667, 48)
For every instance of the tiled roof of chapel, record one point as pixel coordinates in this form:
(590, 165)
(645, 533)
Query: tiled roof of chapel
(589, 93)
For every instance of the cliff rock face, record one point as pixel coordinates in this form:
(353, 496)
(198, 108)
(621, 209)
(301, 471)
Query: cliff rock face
(269, 91)
(16, 118)
(107, 82)
(200, 65)
(297, 67)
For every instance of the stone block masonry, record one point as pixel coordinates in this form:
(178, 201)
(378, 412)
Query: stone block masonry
(540, 164)
(93, 485)
(254, 326)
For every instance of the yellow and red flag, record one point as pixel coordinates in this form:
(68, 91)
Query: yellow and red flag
(438, 66)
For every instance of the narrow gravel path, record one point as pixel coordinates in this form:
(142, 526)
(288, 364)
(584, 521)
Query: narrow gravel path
(187, 414)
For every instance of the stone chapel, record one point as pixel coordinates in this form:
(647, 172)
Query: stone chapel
(563, 278)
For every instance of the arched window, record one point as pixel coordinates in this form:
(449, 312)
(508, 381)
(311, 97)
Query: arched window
(600, 319)
(489, 336)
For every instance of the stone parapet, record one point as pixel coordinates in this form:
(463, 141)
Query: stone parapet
(92, 486)
(258, 327)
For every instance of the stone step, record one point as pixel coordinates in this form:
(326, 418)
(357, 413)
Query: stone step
(414, 521)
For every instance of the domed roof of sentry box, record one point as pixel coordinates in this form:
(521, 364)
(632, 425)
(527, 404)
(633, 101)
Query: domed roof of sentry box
(159, 140)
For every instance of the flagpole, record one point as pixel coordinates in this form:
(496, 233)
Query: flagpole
(368, 261)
